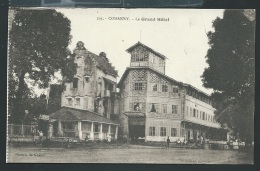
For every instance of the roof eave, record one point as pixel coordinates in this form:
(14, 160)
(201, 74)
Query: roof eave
(141, 44)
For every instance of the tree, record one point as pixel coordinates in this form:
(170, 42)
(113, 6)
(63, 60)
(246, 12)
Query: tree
(54, 103)
(38, 48)
(231, 60)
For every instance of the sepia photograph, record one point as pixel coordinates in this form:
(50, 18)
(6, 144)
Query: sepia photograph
(115, 85)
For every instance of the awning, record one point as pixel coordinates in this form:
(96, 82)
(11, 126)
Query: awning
(109, 81)
(136, 121)
(71, 114)
(134, 114)
(210, 125)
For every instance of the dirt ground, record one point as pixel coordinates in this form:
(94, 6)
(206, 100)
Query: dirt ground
(128, 154)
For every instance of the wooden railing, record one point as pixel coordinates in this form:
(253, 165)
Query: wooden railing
(24, 130)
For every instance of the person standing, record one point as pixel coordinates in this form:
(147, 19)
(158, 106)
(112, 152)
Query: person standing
(40, 136)
(168, 142)
(109, 138)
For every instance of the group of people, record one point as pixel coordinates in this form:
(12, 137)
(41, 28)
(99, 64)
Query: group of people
(179, 142)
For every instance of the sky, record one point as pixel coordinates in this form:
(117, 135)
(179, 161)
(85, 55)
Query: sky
(182, 39)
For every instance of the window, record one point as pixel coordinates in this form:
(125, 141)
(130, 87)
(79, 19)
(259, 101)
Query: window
(138, 86)
(164, 108)
(175, 90)
(164, 88)
(203, 115)
(163, 131)
(194, 112)
(153, 109)
(174, 109)
(206, 117)
(69, 101)
(151, 131)
(75, 82)
(146, 56)
(135, 56)
(173, 132)
(187, 110)
(136, 107)
(197, 113)
(155, 87)
(77, 101)
(160, 62)
(141, 56)
(191, 111)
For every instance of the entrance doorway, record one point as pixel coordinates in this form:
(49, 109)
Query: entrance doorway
(136, 131)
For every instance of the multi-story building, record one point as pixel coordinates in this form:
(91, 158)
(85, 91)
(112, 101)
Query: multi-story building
(89, 101)
(155, 106)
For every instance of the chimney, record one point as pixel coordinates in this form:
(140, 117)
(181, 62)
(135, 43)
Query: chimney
(104, 56)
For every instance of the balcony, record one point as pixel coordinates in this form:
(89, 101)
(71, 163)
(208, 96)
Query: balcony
(143, 63)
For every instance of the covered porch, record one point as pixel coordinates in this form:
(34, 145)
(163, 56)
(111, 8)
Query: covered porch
(193, 131)
(81, 124)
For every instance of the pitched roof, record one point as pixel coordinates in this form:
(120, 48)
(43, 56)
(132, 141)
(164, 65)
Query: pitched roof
(71, 114)
(104, 65)
(150, 49)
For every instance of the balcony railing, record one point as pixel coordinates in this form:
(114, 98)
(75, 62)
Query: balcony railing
(69, 133)
(144, 63)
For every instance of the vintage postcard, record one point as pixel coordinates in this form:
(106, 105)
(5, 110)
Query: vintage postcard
(157, 86)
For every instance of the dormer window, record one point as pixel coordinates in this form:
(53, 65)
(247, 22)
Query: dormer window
(70, 102)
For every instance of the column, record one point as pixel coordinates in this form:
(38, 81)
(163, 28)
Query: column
(91, 136)
(109, 129)
(60, 133)
(116, 132)
(185, 133)
(180, 130)
(50, 130)
(79, 129)
(22, 130)
(100, 132)
(228, 136)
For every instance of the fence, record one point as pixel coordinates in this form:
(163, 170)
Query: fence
(22, 130)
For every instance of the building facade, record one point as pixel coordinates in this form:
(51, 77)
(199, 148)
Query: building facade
(89, 102)
(154, 106)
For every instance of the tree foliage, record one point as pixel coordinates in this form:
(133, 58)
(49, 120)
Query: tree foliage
(38, 47)
(231, 60)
